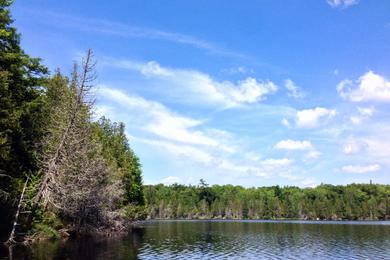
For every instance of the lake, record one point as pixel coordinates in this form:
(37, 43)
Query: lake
(219, 239)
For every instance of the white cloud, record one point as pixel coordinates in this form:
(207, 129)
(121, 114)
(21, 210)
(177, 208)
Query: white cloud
(353, 146)
(237, 70)
(356, 120)
(288, 144)
(184, 139)
(309, 182)
(117, 29)
(364, 113)
(218, 162)
(272, 163)
(271, 166)
(285, 122)
(306, 182)
(310, 118)
(159, 120)
(178, 136)
(170, 180)
(253, 156)
(342, 3)
(294, 145)
(248, 91)
(370, 87)
(197, 155)
(201, 87)
(312, 155)
(361, 168)
(379, 146)
(293, 90)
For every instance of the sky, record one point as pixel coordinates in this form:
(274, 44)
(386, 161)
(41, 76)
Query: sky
(251, 93)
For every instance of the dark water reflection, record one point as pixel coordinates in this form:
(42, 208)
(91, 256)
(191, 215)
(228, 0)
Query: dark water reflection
(227, 239)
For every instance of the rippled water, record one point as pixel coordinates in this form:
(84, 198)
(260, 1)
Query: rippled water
(229, 239)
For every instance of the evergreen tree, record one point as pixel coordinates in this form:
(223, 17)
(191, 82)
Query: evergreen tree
(21, 120)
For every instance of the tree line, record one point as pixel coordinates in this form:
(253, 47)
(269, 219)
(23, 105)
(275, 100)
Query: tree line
(324, 202)
(61, 171)
(59, 168)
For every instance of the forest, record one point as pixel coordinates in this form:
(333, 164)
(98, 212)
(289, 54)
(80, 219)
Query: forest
(62, 172)
(324, 202)
(65, 172)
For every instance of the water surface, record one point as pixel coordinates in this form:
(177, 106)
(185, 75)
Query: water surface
(227, 239)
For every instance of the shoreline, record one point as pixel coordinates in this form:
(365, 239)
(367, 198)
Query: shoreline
(298, 221)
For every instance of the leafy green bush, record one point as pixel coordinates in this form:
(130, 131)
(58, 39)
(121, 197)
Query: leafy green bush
(135, 212)
(45, 231)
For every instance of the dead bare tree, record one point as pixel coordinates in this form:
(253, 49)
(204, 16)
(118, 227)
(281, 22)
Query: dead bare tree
(75, 178)
(11, 238)
(81, 87)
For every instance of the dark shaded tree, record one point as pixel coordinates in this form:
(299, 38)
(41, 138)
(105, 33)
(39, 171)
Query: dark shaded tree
(21, 118)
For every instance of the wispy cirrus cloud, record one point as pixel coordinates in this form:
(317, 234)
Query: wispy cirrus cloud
(160, 121)
(218, 163)
(342, 3)
(186, 139)
(364, 113)
(361, 168)
(293, 90)
(353, 146)
(118, 29)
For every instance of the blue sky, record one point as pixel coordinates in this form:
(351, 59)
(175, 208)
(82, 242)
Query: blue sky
(250, 93)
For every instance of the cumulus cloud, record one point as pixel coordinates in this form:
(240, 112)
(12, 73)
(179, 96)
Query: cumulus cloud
(370, 87)
(342, 3)
(294, 145)
(293, 90)
(201, 87)
(310, 118)
(361, 168)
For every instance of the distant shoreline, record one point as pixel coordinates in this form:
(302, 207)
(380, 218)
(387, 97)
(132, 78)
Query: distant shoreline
(286, 221)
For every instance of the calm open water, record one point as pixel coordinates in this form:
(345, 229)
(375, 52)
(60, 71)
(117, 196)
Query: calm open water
(227, 240)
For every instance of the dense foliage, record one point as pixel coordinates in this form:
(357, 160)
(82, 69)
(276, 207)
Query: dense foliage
(352, 202)
(78, 173)
(20, 113)
(120, 156)
(82, 174)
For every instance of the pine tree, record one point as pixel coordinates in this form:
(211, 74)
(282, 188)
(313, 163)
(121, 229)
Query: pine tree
(21, 78)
